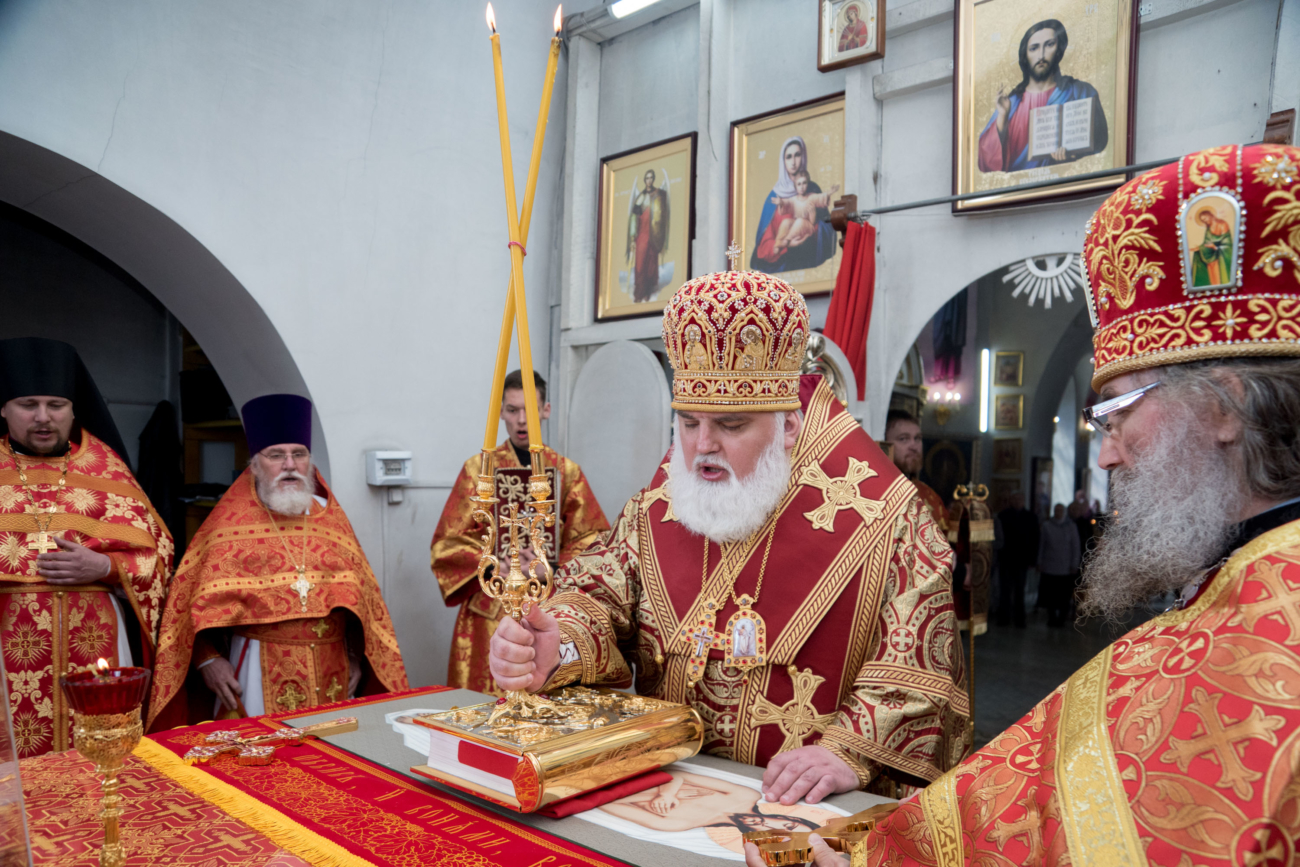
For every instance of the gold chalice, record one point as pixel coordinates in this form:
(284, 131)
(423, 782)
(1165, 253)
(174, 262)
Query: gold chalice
(106, 727)
(520, 589)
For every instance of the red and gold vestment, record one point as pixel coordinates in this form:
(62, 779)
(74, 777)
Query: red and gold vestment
(1179, 744)
(932, 499)
(45, 628)
(455, 551)
(860, 635)
(239, 574)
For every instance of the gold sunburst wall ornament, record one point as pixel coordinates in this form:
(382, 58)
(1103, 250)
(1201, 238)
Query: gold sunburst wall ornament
(1046, 277)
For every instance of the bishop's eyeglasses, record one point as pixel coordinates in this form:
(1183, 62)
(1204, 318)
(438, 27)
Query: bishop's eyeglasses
(1102, 417)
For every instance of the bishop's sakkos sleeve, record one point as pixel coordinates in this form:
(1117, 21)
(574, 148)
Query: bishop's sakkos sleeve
(908, 709)
(595, 603)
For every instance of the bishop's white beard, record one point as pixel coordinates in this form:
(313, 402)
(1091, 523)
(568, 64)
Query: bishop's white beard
(731, 510)
(286, 501)
(1177, 505)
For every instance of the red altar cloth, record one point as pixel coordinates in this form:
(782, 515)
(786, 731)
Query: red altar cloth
(318, 805)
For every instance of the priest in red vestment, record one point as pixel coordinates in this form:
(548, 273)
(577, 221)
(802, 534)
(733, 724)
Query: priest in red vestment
(778, 573)
(903, 431)
(1179, 744)
(274, 607)
(83, 555)
(456, 541)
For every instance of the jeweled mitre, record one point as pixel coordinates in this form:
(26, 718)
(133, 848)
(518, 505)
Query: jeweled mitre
(735, 340)
(1197, 259)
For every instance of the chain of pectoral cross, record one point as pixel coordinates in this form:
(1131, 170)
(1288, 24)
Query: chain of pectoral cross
(302, 585)
(42, 542)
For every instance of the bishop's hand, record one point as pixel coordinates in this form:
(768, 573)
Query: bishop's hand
(810, 773)
(823, 855)
(73, 564)
(525, 653)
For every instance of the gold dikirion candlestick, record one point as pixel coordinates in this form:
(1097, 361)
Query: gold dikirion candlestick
(519, 589)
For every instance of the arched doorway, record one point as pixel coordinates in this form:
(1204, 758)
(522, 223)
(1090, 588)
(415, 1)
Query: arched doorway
(174, 267)
(996, 378)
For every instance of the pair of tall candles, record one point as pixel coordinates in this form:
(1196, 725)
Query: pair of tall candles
(516, 304)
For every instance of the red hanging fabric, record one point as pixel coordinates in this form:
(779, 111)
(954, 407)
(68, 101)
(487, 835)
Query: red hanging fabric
(849, 316)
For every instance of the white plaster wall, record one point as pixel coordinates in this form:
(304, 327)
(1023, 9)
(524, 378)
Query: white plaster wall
(760, 55)
(341, 161)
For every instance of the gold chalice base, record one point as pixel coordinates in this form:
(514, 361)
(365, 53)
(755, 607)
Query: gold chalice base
(106, 740)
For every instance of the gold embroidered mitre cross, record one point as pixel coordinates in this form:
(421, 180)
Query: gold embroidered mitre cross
(841, 493)
(798, 717)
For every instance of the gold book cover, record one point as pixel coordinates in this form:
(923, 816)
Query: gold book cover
(588, 739)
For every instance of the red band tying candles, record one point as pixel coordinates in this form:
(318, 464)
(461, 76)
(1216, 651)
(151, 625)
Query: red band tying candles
(521, 247)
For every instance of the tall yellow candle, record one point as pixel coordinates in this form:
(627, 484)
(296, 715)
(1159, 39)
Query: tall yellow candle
(516, 302)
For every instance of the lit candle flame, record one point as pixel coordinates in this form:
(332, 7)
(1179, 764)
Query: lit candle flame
(102, 665)
(491, 19)
(558, 19)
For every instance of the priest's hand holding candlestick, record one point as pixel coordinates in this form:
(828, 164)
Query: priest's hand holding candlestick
(525, 653)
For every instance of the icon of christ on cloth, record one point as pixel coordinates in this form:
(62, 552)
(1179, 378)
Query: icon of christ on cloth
(776, 505)
(84, 558)
(274, 607)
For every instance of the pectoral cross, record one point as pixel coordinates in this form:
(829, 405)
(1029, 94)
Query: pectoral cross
(302, 585)
(703, 638)
(43, 541)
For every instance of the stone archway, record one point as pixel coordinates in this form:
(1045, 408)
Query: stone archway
(238, 337)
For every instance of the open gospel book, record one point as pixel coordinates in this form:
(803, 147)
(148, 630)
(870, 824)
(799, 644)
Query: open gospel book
(1064, 125)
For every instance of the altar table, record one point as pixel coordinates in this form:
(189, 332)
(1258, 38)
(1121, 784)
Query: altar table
(343, 801)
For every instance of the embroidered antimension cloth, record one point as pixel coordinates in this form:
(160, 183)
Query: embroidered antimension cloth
(1179, 744)
(239, 573)
(860, 635)
(46, 629)
(455, 550)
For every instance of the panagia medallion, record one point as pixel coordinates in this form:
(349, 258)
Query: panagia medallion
(745, 638)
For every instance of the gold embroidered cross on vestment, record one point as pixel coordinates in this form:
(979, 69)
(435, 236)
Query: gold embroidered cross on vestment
(290, 697)
(321, 628)
(334, 689)
(841, 493)
(1221, 741)
(798, 717)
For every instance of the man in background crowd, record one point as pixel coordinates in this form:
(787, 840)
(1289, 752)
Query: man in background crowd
(1019, 550)
(1058, 566)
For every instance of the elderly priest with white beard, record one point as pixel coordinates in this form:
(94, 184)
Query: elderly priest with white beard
(274, 607)
(778, 573)
(1178, 744)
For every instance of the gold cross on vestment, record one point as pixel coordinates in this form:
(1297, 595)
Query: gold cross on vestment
(734, 252)
(1221, 740)
(660, 493)
(798, 717)
(321, 628)
(1283, 600)
(1030, 827)
(290, 697)
(42, 542)
(302, 585)
(841, 493)
(703, 638)
(333, 690)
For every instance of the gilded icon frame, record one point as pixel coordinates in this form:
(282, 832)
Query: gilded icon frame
(1102, 27)
(1009, 400)
(1192, 209)
(753, 140)
(829, 13)
(1008, 455)
(1001, 381)
(615, 289)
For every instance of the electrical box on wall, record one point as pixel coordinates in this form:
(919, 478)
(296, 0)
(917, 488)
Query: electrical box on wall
(387, 469)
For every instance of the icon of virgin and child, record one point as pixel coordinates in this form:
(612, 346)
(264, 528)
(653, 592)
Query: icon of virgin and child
(792, 231)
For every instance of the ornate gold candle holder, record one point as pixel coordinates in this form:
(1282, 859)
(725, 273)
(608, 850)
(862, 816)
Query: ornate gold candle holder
(521, 588)
(106, 727)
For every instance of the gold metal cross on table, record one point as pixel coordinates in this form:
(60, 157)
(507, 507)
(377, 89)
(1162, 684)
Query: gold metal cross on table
(734, 252)
(302, 585)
